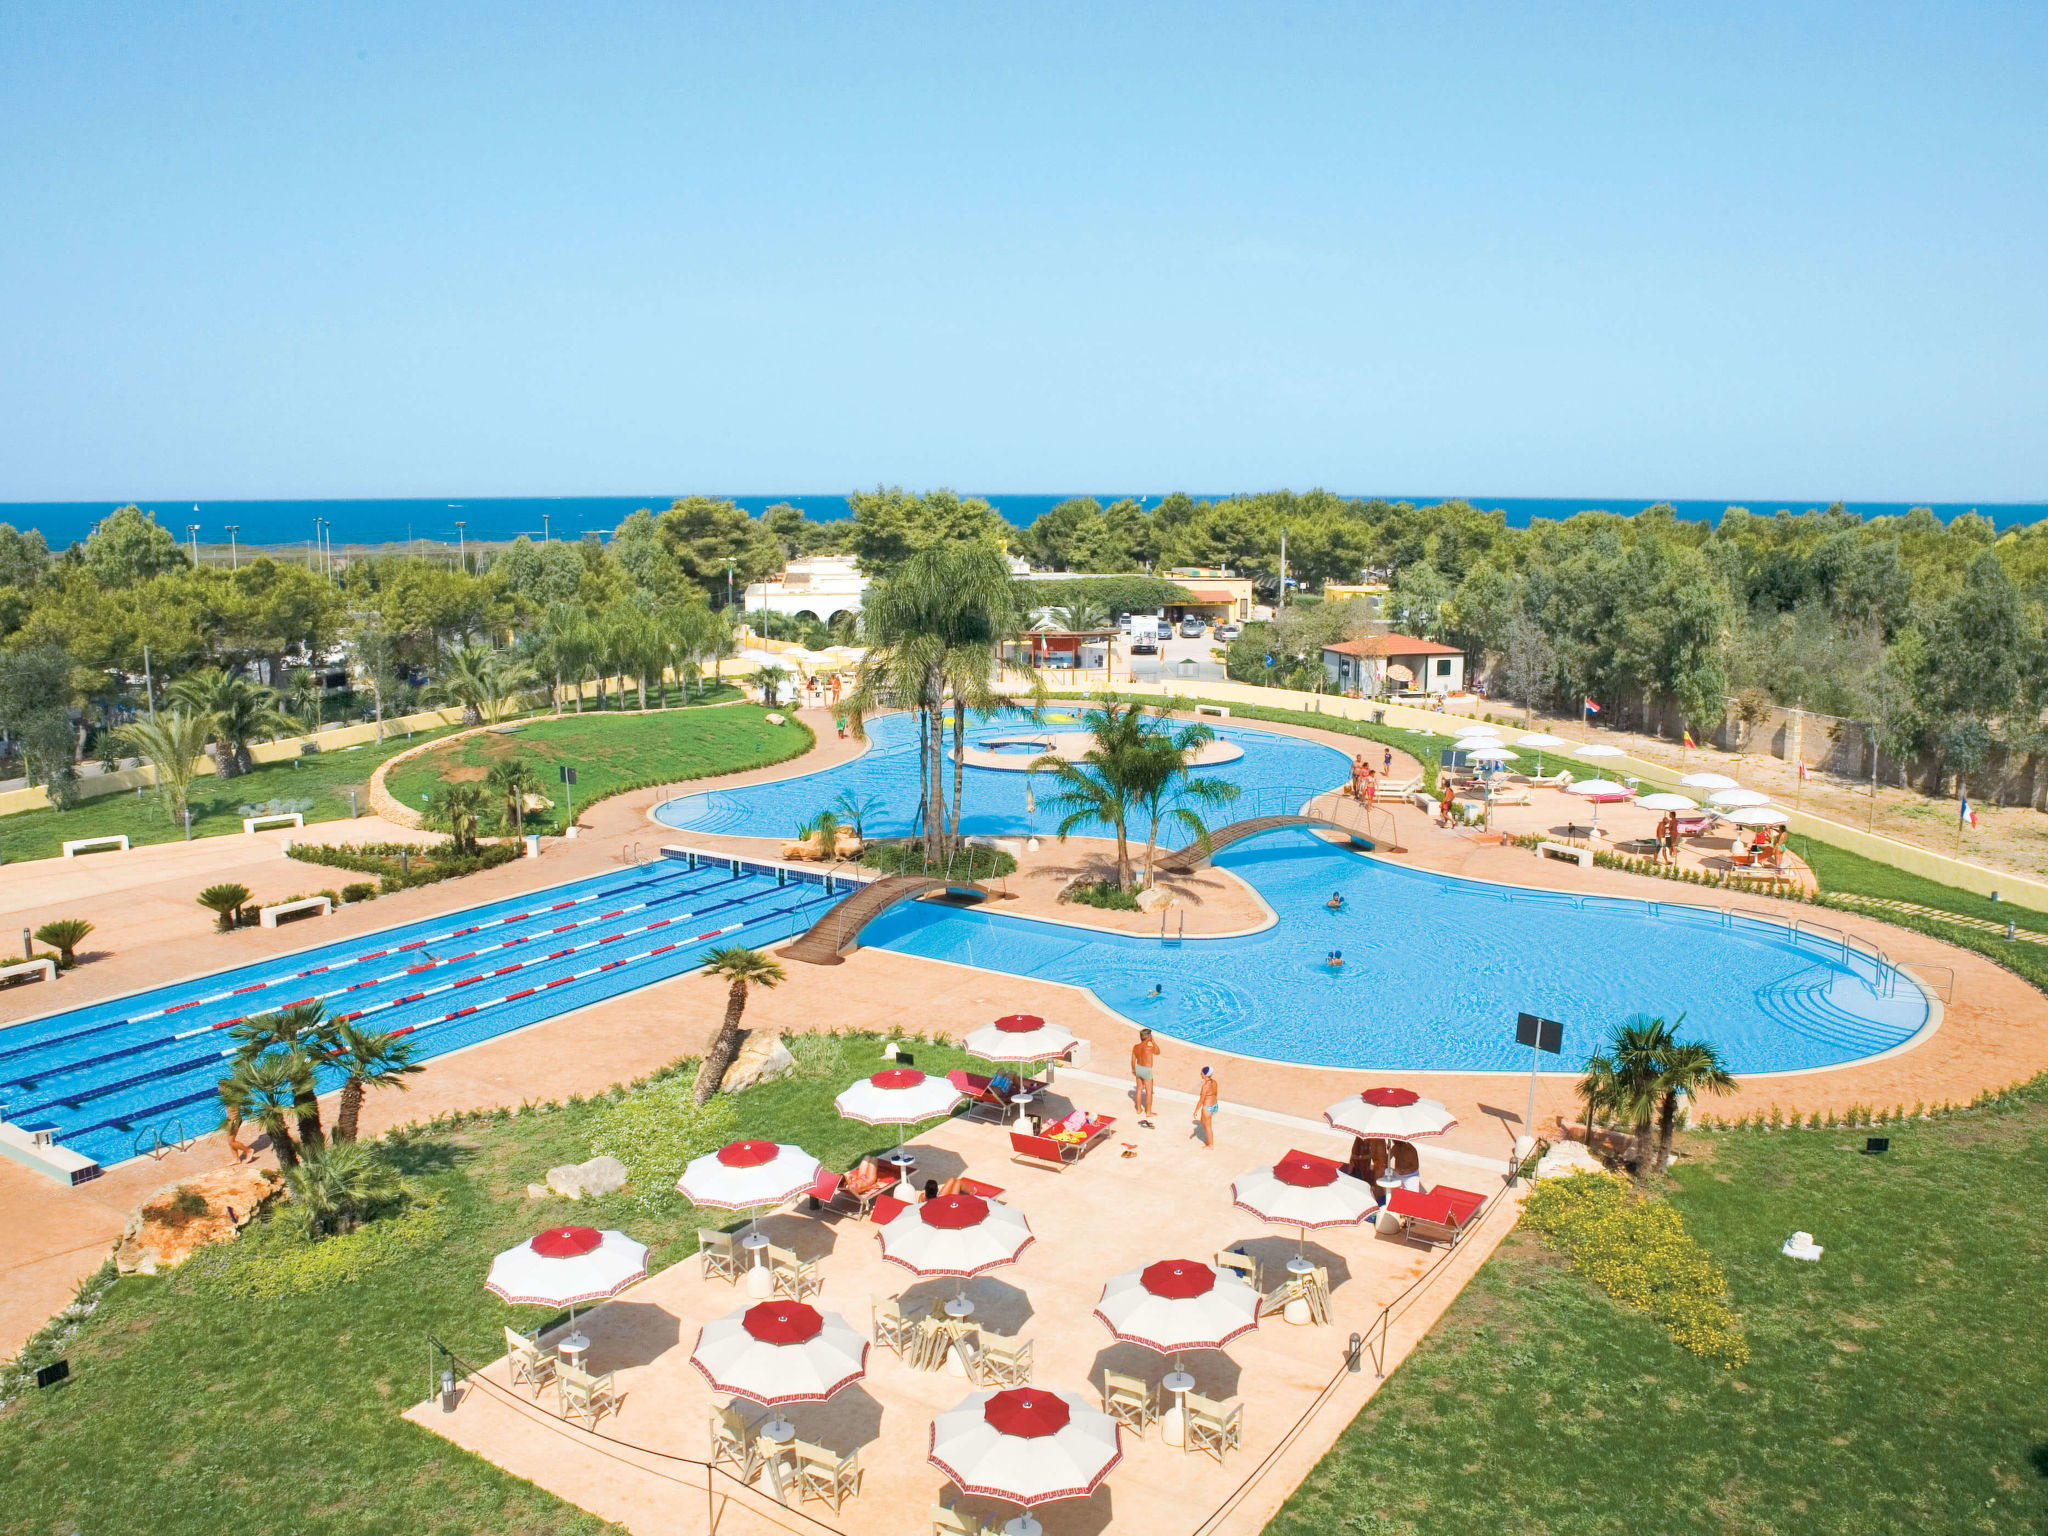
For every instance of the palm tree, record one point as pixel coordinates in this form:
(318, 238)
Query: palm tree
(742, 968)
(368, 1059)
(482, 681)
(172, 745)
(238, 711)
(1691, 1067)
(301, 1037)
(1626, 1082)
(565, 648)
(462, 806)
(334, 1188)
(1167, 789)
(64, 936)
(512, 780)
(225, 903)
(1102, 786)
(770, 680)
(856, 809)
(264, 1089)
(1081, 615)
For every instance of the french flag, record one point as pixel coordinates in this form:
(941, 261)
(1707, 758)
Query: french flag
(1964, 814)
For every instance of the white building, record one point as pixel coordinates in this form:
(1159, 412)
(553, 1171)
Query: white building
(819, 587)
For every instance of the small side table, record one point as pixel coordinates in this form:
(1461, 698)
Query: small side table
(1023, 1525)
(778, 1432)
(905, 1165)
(760, 1283)
(1297, 1310)
(573, 1348)
(1173, 1424)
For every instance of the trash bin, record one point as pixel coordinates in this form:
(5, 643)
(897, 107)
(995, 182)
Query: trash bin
(1379, 717)
(533, 845)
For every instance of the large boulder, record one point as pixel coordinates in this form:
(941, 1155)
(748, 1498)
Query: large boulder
(1154, 900)
(762, 1058)
(599, 1176)
(179, 1219)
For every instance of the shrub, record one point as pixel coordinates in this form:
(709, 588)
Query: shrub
(1636, 1249)
(359, 890)
(976, 863)
(180, 1208)
(656, 1134)
(284, 1263)
(64, 936)
(225, 902)
(402, 866)
(1103, 893)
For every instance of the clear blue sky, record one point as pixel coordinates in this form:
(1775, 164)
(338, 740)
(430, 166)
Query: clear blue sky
(360, 250)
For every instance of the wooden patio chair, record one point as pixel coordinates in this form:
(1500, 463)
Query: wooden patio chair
(820, 1474)
(1240, 1264)
(585, 1396)
(792, 1277)
(948, 1521)
(1130, 1401)
(716, 1257)
(890, 1325)
(732, 1442)
(1214, 1427)
(1002, 1362)
(529, 1363)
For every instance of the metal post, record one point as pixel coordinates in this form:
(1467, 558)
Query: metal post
(461, 545)
(148, 682)
(234, 552)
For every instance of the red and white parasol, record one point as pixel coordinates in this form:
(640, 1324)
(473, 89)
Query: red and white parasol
(958, 1235)
(1026, 1446)
(899, 1096)
(748, 1175)
(1394, 1114)
(780, 1352)
(1177, 1305)
(1303, 1191)
(566, 1267)
(1020, 1037)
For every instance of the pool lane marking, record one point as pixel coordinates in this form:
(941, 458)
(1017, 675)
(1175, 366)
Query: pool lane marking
(99, 1090)
(459, 1013)
(335, 965)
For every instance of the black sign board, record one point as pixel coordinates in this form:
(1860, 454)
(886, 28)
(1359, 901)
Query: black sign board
(568, 775)
(1876, 1144)
(1544, 1034)
(50, 1375)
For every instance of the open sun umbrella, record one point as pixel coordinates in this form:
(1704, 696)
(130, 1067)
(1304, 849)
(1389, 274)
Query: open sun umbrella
(957, 1235)
(1303, 1191)
(1598, 749)
(1020, 1037)
(1758, 816)
(1539, 740)
(899, 1096)
(1392, 1114)
(1026, 1446)
(780, 1352)
(1729, 799)
(750, 1176)
(1707, 781)
(567, 1267)
(1662, 801)
(1177, 1305)
(1597, 791)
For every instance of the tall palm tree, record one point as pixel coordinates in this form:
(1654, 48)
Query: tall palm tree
(302, 1037)
(1081, 615)
(368, 1059)
(565, 649)
(742, 969)
(512, 780)
(172, 745)
(1107, 780)
(770, 680)
(1168, 790)
(483, 681)
(1626, 1082)
(265, 1090)
(462, 804)
(1691, 1067)
(237, 710)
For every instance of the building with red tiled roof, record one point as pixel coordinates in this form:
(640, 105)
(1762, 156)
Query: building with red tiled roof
(1381, 664)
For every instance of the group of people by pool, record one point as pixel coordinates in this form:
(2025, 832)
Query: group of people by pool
(1144, 1071)
(1365, 783)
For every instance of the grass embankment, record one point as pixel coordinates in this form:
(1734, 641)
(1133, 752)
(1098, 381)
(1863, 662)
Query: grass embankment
(267, 1377)
(323, 779)
(1897, 1385)
(611, 753)
(1423, 746)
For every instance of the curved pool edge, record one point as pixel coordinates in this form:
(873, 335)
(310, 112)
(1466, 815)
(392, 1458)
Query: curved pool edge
(797, 771)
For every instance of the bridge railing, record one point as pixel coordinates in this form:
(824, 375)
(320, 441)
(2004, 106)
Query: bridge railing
(1374, 823)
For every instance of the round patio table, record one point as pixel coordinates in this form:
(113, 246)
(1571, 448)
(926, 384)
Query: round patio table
(573, 1348)
(1173, 1424)
(760, 1283)
(1296, 1311)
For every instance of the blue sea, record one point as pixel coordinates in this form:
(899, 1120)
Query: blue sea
(570, 517)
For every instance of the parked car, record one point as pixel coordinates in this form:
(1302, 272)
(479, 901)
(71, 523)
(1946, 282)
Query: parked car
(1227, 632)
(1123, 622)
(1144, 645)
(1191, 628)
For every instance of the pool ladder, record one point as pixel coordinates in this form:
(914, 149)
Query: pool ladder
(1180, 931)
(161, 1146)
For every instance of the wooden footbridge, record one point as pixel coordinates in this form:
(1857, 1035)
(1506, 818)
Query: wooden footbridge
(827, 940)
(1368, 826)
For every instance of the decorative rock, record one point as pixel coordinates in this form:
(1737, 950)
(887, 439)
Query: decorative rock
(599, 1176)
(762, 1059)
(1153, 899)
(777, 720)
(538, 1191)
(158, 1238)
(1565, 1158)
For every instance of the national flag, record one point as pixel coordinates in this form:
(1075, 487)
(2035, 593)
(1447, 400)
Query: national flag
(1805, 772)
(1592, 708)
(1691, 745)
(1964, 814)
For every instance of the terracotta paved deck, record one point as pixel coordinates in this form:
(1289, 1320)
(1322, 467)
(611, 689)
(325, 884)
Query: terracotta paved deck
(1108, 1215)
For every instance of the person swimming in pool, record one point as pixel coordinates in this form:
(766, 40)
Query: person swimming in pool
(1334, 959)
(1157, 990)
(1336, 901)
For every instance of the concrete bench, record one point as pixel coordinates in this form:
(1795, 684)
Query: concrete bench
(270, 916)
(80, 845)
(1220, 711)
(22, 970)
(281, 819)
(1583, 857)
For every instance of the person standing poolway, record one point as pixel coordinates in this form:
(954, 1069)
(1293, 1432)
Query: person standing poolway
(1144, 1058)
(1205, 1109)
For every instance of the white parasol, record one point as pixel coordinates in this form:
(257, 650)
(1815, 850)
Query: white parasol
(1598, 749)
(1393, 1114)
(1303, 1191)
(748, 1175)
(1178, 1305)
(899, 1096)
(1729, 799)
(1707, 781)
(958, 1235)
(1758, 816)
(780, 1352)
(1663, 801)
(1539, 740)
(566, 1267)
(1020, 1037)
(1026, 1446)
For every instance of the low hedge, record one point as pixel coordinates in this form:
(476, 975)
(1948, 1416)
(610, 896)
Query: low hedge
(402, 866)
(1106, 894)
(972, 863)
(1636, 1249)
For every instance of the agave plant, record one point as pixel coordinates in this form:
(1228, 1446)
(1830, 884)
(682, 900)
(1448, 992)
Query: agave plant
(225, 902)
(64, 936)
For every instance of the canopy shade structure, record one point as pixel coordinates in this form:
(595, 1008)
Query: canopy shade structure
(1020, 1037)
(957, 1235)
(1758, 816)
(1026, 1446)
(1707, 781)
(1663, 801)
(748, 1175)
(780, 1352)
(1177, 1305)
(1729, 799)
(1395, 1114)
(567, 1267)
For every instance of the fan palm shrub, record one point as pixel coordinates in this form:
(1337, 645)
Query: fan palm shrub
(1690, 1068)
(264, 1090)
(1640, 1079)
(368, 1059)
(302, 1038)
(511, 781)
(334, 1190)
(462, 807)
(742, 969)
(64, 936)
(172, 745)
(485, 682)
(239, 711)
(225, 903)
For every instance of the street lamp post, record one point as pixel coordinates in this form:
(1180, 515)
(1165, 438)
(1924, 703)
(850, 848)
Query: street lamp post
(544, 528)
(192, 537)
(234, 554)
(461, 545)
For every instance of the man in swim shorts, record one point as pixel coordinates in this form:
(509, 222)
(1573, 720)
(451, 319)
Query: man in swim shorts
(1144, 1058)
(1205, 1109)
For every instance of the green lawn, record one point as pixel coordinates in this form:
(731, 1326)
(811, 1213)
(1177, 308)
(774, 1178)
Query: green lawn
(1901, 1384)
(610, 752)
(324, 779)
(191, 1410)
